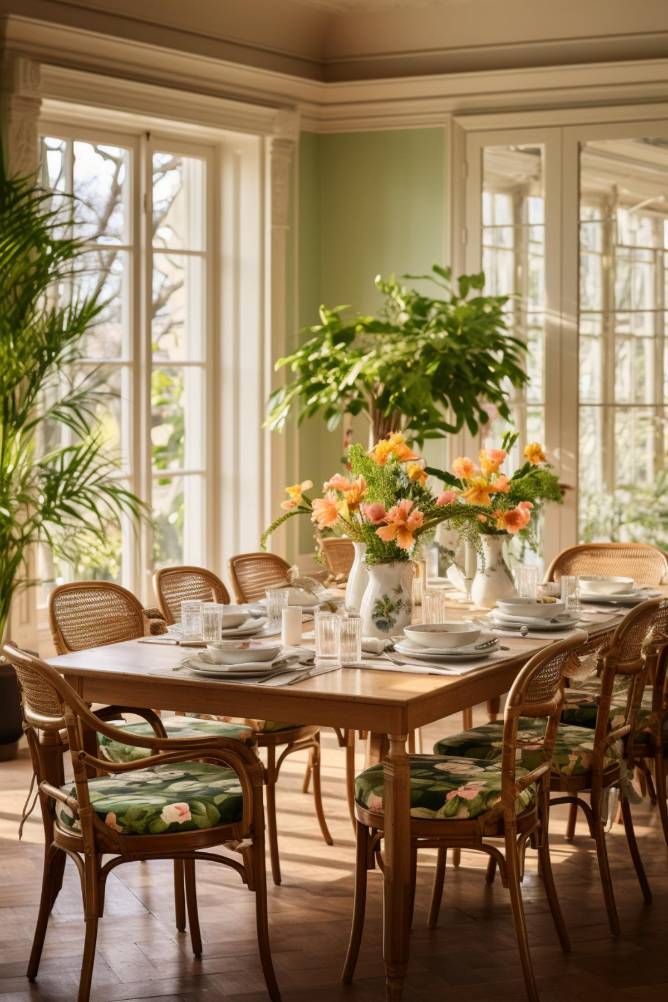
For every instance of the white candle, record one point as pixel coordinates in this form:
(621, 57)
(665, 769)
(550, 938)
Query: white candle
(291, 625)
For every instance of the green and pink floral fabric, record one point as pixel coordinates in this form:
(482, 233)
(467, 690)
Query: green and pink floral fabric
(180, 797)
(176, 727)
(582, 702)
(443, 788)
(573, 751)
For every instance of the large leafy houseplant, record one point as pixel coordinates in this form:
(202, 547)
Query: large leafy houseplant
(59, 480)
(426, 365)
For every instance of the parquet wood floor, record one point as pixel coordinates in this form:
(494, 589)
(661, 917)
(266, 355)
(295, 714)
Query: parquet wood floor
(470, 956)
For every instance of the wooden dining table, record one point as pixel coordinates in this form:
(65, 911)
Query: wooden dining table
(388, 704)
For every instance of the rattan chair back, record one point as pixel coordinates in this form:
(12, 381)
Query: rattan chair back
(253, 573)
(646, 564)
(174, 585)
(91, 613)
(338, 555)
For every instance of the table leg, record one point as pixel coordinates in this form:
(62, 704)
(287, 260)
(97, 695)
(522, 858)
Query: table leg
(397, 877)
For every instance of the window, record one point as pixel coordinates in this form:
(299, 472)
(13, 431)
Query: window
(142, 210)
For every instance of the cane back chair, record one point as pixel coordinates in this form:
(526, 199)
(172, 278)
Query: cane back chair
(460, 803)
(89, 818)
(338, 555)
(649, 745)
(646, 564)
(253, 573)
(174, 585)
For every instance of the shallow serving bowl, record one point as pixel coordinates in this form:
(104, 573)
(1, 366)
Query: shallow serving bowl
(603, 585)
(444, 635)
(233, 615)
(239, 652)
(529, 607)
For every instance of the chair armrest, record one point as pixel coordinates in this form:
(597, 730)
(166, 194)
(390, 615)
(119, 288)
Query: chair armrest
(150, 716)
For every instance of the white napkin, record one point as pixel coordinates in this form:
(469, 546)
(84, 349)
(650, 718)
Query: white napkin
(375, 645)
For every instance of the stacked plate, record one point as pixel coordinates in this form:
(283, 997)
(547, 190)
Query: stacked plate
(537, 616)
(251, 627)
(613, 590)
(443, 643)
(244, 659)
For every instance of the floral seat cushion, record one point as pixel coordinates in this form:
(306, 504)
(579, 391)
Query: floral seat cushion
(573, 749)
(582, 702)
(185, 796)
(442, 787)
(176, 727)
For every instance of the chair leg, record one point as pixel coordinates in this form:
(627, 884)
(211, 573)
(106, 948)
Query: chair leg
(634, 850)
(490, 872)
(314, 759)
(467, 718)
(456, 857)
(92, 912)
(179, 896)
(437, 890)
(191, 899)
(545, 863)
(572, 818)
(359, 905)
(493, 708)
(262, 918)
(661, 792)
(350, 776)
(306, 784)
(604, 870)
(272, 830)
(515, 889)
(54, 864)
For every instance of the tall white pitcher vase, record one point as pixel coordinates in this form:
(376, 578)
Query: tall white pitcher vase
(358, 579)
(387, 603)
(493, 580)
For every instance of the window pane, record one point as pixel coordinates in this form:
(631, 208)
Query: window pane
(178, 201)
(178, 513)
(177, 408)
(177, 328)
(105, 272)
(100, 177)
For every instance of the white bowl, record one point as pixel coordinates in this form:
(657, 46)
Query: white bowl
(444, 635)
(239, 652)
(529, 607)
(233, 615)
(600, 584)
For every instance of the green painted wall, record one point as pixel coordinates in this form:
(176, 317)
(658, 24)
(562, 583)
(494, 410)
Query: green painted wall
(369, 203)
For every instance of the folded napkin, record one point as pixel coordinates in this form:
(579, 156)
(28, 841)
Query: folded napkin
(375, 645)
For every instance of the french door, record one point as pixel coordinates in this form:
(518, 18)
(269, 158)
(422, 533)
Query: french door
(572, 223)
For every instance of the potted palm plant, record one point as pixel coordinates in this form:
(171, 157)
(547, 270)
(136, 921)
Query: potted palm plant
(59, 481)
(426, 365)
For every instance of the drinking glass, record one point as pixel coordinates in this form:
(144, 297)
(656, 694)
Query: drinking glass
(526, 579)
(327, 636)
(570, 592)
(277, 600)
(212, 621)
(191, 620)
(433, 607)
(350, 639)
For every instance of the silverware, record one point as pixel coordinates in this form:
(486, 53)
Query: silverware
(313, 673)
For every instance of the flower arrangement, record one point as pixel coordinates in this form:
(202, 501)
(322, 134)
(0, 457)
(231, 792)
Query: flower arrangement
(385, 502)
(505, 505)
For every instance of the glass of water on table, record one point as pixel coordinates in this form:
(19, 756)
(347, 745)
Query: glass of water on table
(276, 600)
(570, 592)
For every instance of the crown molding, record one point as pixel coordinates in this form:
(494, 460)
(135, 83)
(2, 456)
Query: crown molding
(249, 99)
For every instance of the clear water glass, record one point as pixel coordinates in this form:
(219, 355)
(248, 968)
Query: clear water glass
(433, 607)
(191, 620)
(350, 639)
(327, 636)
(212, 621)
(527, 577)
(277, 600)
(570, 592)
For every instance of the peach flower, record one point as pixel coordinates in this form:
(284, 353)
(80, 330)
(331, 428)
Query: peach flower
(446, 497)
(295, 494)
(337, 483)
(179, 813)
(478, 492)
(375, 512)
(403, 519)
(325, 510)
(534, 453)
(501, 485)
(463, 467)
(491, 460)
(514, 520)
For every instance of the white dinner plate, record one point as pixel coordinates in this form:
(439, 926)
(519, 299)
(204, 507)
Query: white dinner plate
(247, 629)
(415, 652)
(406, 646)
(255, 669)
(634, 597)
(515, 622)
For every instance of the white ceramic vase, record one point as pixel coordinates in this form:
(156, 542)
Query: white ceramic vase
(387, 603)
(493, 580)
(358, 579)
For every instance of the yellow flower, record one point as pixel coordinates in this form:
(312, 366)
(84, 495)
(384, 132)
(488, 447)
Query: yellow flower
(295, 494)
(392, 447)
(463, 467)
(417, 473)
(491, 460)
(534, 453)
(356, 491)
(478, 492)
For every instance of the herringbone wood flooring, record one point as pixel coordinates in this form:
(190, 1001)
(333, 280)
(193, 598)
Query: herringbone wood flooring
(470, 956)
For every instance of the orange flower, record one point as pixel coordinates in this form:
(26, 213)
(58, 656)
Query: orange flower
(491, 460)
(295, 494)
(393, 447)
(501, 485)
(375, 512)
(403, 519)
(514, 520)
(337, 483)
(325, 510)
(463, 467)
(478, 492)
(355, 492)
(534, 453)
(417, 473)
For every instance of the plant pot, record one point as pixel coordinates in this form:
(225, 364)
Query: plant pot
(493, 581)
(358, 579)
(10, 714)
(387, 604)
